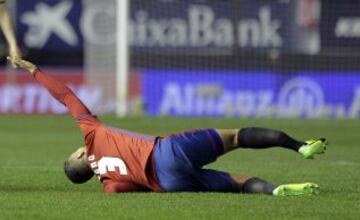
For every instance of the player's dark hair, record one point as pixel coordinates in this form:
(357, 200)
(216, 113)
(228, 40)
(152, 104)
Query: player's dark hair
(77, 175)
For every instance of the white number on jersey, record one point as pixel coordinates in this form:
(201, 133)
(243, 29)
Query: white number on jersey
(108, 164)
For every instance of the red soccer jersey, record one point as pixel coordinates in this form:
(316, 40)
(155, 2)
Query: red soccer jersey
(122, 160)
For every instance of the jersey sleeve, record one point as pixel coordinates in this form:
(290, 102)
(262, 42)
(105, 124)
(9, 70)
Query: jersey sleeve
(65, 96)
(117, 187)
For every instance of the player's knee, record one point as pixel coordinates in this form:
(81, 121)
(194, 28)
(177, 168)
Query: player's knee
(229, 138)
(235, 138)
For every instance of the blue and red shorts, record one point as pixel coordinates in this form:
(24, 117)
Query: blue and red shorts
(179, 161)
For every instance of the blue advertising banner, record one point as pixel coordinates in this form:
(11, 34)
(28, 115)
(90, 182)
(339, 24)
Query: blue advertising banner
(251, 94)
(56, 24)
(203, 24)
(340, 25)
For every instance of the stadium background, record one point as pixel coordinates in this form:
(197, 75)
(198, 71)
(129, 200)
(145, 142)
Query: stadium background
(195, 58)
(211, 63)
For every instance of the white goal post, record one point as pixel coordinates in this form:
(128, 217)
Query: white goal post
(106, 53)
(122, 57)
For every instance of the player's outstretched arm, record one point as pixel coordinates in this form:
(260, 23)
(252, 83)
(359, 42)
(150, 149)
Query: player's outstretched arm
(6, 25)
(56, 88)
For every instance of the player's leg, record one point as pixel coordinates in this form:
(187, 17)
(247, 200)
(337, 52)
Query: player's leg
(217, 181)
(247, 184)
(259, 138)
(250, 184)
(178, 158)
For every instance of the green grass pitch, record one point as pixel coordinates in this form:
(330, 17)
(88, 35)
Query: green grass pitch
(33, 186)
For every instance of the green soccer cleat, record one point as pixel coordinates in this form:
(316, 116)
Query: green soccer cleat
(296, 189)
(312, 147)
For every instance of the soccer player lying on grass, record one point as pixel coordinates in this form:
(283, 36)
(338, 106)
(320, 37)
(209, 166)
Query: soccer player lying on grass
(125, 161)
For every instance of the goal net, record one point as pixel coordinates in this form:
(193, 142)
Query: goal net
(230, 58)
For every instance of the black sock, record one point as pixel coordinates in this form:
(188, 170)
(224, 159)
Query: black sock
(264, 138)
(257, 185)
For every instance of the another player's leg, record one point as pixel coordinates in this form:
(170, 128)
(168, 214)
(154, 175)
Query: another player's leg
(259, 138)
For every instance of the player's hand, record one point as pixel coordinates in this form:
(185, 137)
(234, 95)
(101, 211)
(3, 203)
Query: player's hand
(30, 67)
(14, 53)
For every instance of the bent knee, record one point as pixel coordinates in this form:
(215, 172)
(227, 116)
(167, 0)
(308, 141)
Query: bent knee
(229, 138)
